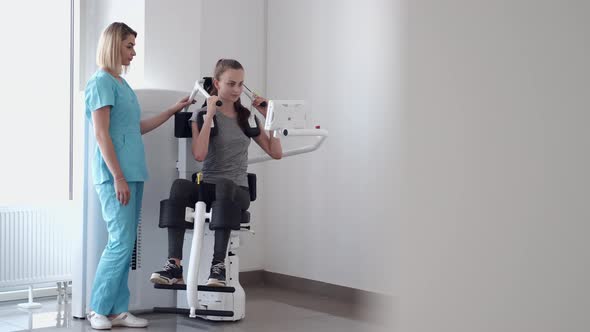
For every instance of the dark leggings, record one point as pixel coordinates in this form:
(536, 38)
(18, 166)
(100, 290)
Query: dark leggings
(186, 191)
(176, 240)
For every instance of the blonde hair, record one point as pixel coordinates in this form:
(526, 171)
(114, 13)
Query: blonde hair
(108, 54)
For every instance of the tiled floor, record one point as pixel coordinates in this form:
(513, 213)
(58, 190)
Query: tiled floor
(267, 309)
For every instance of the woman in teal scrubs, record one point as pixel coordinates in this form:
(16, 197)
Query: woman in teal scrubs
(119, 171)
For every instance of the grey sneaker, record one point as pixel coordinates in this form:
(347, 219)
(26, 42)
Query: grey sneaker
(170, 275)
(217, 275)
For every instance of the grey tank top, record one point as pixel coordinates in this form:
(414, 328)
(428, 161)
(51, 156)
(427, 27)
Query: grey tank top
(227, 157)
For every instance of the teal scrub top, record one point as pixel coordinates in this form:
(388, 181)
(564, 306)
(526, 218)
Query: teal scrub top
(105, 90)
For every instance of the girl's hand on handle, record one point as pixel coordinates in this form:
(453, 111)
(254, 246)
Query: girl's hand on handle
(212, 105)
(122, 191)
(260, 104)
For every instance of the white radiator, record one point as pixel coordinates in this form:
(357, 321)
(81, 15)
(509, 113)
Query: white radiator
(35, 246)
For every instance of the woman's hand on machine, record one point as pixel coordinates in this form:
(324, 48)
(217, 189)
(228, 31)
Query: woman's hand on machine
(122, 191)
(260, 104)
(212, 105)
(181, 104)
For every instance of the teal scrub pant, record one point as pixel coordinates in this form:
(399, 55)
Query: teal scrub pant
(110, 293)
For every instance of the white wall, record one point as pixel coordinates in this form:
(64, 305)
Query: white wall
(495, 169)
(172, 33)
(235, 29)
(331, 214)
(36, 63)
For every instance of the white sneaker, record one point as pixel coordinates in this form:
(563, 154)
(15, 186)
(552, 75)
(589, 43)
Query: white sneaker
(99, 322)
(128, 320)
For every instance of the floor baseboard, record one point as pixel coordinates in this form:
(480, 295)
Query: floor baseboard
(351, 302)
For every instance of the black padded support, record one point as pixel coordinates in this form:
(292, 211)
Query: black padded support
(226, 215)
(182, 126)
(184, 194)
(201, 288)
(201, 121)
(252, 132)
(252, 186)
(198, 312)
(172, 214)
(245, 217)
